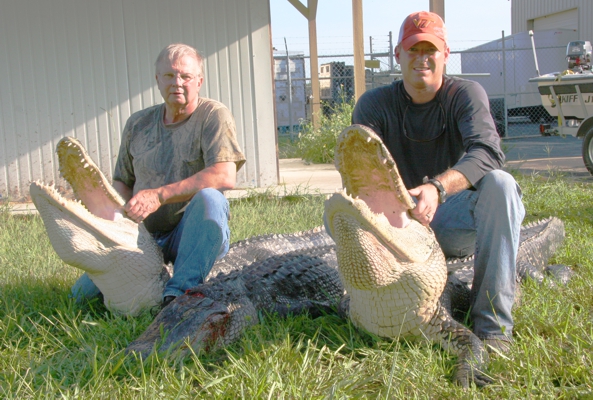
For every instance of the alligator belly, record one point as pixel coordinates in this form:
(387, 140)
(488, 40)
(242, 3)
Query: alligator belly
(389, 312)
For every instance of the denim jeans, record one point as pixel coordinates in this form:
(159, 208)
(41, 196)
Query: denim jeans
(486, 222)
(201, 237)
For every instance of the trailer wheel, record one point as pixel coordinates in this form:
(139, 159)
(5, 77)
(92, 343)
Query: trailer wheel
(588, 150)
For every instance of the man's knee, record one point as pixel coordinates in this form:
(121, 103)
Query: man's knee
(208, 201)
(501, 182)
(209, 195)
(500, 197)
(499, 187)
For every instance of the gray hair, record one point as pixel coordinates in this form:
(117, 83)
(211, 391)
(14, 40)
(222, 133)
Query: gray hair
(177, 50)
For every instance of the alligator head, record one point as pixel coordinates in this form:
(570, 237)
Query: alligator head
(119, 255)
(392, 267)
(385, 258)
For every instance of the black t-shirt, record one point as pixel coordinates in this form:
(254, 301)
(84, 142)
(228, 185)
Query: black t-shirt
(454, 130)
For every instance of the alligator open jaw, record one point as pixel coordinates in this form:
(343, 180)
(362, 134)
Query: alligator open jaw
(392, 266)
(119, 255)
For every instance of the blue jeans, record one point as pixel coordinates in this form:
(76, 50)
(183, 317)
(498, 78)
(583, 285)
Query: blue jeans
(201, 237)
(486, 222)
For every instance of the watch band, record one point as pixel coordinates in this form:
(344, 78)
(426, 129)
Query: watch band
(437, 184)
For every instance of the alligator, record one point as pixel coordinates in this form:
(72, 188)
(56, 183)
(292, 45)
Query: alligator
(92, 234)
(120, 256)
(283, 274)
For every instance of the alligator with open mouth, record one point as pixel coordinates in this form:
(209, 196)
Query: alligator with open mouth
(393, 282)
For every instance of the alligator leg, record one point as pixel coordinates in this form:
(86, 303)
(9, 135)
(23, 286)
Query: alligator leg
(472, 357)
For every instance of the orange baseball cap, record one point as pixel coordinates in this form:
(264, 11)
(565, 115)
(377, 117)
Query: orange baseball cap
(423, 26)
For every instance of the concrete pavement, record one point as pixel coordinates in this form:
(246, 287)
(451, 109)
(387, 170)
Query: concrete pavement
(543, 155)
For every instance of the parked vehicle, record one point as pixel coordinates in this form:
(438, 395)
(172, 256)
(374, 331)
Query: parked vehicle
(508, 82)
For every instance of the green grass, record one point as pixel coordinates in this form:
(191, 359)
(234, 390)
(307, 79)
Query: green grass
(52, 348)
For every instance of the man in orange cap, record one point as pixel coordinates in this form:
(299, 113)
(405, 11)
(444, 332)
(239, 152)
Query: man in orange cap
(440, 132)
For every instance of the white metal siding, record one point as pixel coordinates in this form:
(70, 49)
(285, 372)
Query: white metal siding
(80, 68)
(527, 14)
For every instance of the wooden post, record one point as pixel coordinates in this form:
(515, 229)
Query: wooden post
(314, 64)
(310, 12)
(358, 39)
(437, 7)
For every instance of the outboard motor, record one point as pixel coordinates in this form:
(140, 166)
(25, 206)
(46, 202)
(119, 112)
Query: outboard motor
(578, 55)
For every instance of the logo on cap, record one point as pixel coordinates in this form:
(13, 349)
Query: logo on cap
(422, 23)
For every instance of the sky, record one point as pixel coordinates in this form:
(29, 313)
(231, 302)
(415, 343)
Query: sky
(469, 23)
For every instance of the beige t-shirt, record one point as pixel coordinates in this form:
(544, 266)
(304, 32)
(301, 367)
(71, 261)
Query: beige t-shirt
(153, 154)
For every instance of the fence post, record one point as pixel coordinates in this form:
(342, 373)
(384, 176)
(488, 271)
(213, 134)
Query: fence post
(372, 58)
(391, 55)
(290, 123)
(504, 86)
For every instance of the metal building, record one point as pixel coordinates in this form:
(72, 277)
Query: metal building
(81, 68)
(291, 105)
(540, 15)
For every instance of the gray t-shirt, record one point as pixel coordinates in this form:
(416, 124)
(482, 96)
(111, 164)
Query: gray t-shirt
(454, 130)
(153, 154)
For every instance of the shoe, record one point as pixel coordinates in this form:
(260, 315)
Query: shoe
(497, 345)
(167, 300)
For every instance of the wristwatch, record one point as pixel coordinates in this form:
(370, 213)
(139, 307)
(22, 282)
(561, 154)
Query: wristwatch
(439, 186)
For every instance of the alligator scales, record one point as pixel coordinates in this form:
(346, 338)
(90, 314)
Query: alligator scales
(382, 269)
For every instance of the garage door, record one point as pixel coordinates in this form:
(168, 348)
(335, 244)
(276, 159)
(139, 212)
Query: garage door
(565, 19)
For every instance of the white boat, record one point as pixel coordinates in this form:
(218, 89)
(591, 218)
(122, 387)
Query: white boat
(569, 97)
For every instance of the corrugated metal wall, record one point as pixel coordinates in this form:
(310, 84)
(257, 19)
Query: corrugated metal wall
(525, 11)
(80, 68)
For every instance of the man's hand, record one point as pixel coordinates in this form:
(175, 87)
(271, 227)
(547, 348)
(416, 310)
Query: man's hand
(428, 202)
(144, 203)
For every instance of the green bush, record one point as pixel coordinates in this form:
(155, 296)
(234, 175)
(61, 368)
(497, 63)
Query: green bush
(317, 145)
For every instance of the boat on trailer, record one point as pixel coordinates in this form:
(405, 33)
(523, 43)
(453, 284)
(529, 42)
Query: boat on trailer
(568, 96)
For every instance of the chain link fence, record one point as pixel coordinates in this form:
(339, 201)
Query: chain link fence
(502, 67)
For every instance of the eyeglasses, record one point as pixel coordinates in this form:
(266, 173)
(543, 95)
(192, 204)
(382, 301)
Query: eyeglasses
(169, 77)
(423, 140)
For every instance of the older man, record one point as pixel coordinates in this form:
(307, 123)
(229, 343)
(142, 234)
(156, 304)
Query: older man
(442, 136)
(183, 152)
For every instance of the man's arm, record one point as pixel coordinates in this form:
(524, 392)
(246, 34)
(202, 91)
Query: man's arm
(221, 176)
(427, 194)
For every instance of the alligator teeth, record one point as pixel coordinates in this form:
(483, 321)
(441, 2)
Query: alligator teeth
(368, 139)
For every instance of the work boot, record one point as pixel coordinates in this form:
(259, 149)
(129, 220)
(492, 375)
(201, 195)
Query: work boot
(167, 300)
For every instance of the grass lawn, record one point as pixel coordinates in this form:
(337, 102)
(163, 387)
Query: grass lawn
(51, 347)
